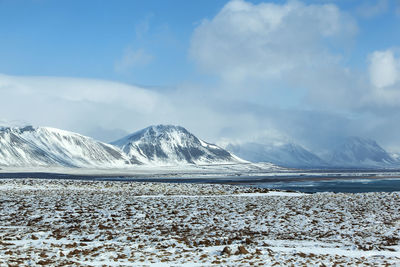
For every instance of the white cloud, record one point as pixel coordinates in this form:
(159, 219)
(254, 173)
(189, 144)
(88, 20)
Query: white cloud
(80, 104)
(384, 74)
(275, 54)
(106, 109)
(370, 9)
(81, 90)
(246, 41)
(384, 68)
(133, 58)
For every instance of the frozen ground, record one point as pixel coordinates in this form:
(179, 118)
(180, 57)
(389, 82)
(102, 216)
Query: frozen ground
(149, 171)
(61, 222)
(242, 170)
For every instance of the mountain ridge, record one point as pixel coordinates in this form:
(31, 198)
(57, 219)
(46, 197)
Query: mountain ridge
(170, 144)
(46, 146)
(159, 145)
(353, 152)
(287, 154)
(358, 151)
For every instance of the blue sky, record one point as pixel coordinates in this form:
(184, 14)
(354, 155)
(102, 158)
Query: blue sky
(230, 71)
(86, 38)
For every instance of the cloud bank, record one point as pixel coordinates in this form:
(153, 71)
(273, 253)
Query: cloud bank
(279, 53)
(79, 104)
(246, 41)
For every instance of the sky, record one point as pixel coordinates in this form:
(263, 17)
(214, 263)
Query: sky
(309, 72)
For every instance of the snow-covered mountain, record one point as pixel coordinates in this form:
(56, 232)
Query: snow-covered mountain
(171, 145)
(167, 145)
(43, 146)
(361, 152)
(283, 154)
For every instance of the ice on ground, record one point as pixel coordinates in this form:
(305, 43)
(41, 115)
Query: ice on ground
(62, 222)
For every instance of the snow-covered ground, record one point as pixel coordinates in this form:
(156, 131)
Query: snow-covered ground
(253, 169)
(63, 222)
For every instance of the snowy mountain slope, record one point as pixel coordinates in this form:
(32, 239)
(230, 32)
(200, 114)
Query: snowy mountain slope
(45, 146)
(16, 151)
(361, 152)
(287, 155)
(171, 145)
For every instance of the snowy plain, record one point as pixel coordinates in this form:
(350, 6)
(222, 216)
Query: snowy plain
(93, 223)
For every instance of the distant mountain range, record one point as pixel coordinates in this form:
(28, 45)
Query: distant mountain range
(287, 155)
(156, 145)
(167, 145)
(354, 152)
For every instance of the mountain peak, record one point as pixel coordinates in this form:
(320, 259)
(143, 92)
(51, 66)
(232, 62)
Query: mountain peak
(167, 127)
(157, 130)
(360, 151)
(170, 145)
(151, 132)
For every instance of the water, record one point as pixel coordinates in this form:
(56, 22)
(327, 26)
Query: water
(346, 183)
(342, 186)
